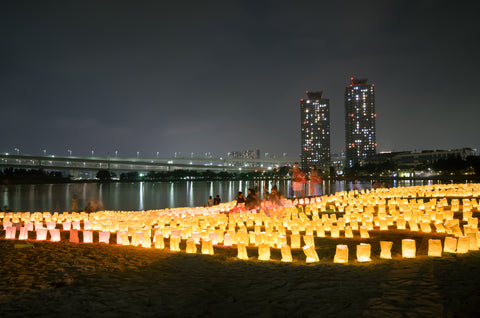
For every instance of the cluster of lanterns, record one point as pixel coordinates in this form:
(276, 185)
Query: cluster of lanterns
(294, 225)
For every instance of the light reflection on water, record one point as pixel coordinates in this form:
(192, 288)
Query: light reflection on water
(152, 195)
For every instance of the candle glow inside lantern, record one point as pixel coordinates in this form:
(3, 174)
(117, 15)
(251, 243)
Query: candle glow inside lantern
(76, 225)
(263, 252)
(408, 248)
(51, 225)
(87, 237)
(386, 249)
(191, 247)
(10, 232)
(450, 245)
(23, 234)
(348, 232)
(295, 240)
(227, 240)
(159, 243)
(363, 252)
(207, 246)
(334, 231)
(146, 241)
(309, 240)
(55, 235)
(434, 248)
(364, 232)
(286, 253)
(463, 244)
(472, 241)
(104, 237)
(41, 234)
(312, 256)
(66, 225)
(74, 236)
(242, 251)
(175, 243)
(341, 254)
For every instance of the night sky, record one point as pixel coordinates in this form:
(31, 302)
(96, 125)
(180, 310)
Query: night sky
(192, 76)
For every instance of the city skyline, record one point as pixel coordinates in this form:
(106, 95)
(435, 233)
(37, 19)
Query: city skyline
(225, 76)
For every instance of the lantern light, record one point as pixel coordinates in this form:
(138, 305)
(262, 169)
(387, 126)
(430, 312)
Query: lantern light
(408, 248)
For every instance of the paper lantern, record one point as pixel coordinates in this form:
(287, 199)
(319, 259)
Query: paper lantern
(286, 253)
(354, 225)
(473, 222)
(76, 225)
(74, 236)
(174, 243)
(295, 241)
(450, 245)
(41, 234)
(55, 235)
(37, 225)
(7, 224)
(408, 248)
(425, 227)
(66, 226)
(386, 249)
(227, 240)
(159, 243)
(191, 247)
(87, 237)
(136, 238)
(242, 251)
(263, 252)
(51, 225)
(363, 252)
(472, 242)
(401, 224)
(196, 237)
(23, 234)
(104, 237)
(467, 215)
(87, 225)
(341, 254)
(311, 254)
(364, 232)
(463, 244)
(308, 239)
(10, 232)
(207, 246)
(413, 225)
(334, 231)
(434, 248)
(320, 231)
(146, 240)
(383, 224)
(439, 228)
(348, 232)
(29, 226)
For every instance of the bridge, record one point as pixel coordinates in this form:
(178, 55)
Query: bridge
(141, 164)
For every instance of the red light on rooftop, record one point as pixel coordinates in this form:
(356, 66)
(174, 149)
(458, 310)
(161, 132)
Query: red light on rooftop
(374, 115)
(376, 144)
(351, 115)
(301, 99)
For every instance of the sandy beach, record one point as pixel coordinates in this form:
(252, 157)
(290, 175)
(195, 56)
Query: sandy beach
(98, 280)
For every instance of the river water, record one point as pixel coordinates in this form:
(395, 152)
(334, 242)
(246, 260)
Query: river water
(121, 196)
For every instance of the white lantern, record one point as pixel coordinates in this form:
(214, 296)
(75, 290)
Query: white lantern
(386, 249)
(364, 252)
(55, 235)
(364, 232)
(463, 244)
(10, 232)
(207, 247)
(295, 241)
(41, 234)
(227, 240)
(309, 240)
(174, 243)
(242, 251)
(51, 225)
(104, 237)
(146, 241)
(341, 254)
(67, 226)
(263, 252)
(87, 237)
(450, 245)
(434, 248)
(408, 248)
(472, 242)
(159, 243)
(191, 247)
(23, 234)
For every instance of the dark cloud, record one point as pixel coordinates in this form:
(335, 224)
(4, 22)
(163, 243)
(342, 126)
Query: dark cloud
(199, 77)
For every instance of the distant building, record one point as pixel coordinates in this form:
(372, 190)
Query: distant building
(360, 139)
(315, 131)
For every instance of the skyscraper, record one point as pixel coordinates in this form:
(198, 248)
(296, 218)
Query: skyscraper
(315, 131)
(360, 142)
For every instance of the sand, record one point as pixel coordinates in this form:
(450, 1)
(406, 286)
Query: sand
(98, 280)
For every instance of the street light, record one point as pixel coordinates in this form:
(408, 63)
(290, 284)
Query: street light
(116, 153)
(69, 152)
(93, 152)
(138, 154)
(44, 152)
(157, 154)
(17, 150)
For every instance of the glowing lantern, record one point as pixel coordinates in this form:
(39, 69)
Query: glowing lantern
(473, 222)
(104, 237)
(354, 225)
(23, 234)
(413, 225)
(472, 242)
(227, 240)
(348, 232)
(341, 254)
(146, 241)
(55, 235)
(196, 237)
(320, 231)
(51, 225)
(10, 232)
(124, 238)
(191, 247)
(401, 224)
(386, 249)
(74, 236)
(364, 232)
(335, 232)
(263, 252)
(119, 238)
(87, 237)
(308, 239)
(29, 226)
(37, 225)
(312, 256)
(408, 248)
(463, 244)
(175, 243)
(76, 225)
(450, 245)
(159, 243)
(439, 228)
(286, 253)
(242, 251)
(87, 225)
(41, 234)
(383, 224)
(207, 247)
(434, 248)
(467, 215)
(363, 252)
(67, 226)
(425, 226)
(136, 238)
(295, 240)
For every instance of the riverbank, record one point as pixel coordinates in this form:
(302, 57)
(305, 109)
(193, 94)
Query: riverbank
(98, 280)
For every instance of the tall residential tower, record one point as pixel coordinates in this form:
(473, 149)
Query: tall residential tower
(360, 142)
(315, 131)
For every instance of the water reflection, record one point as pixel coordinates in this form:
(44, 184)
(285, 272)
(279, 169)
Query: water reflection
(153, 195)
